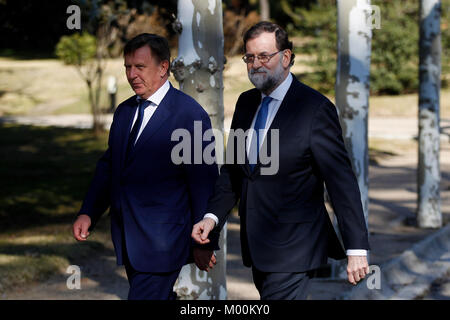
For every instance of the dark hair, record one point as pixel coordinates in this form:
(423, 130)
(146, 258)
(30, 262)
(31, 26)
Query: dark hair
(158, 45)
(281, 36)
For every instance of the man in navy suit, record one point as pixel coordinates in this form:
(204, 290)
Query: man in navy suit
(286, 232)
(153, 201)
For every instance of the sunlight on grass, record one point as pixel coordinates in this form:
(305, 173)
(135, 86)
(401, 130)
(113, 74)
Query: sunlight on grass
(47, 172)
(28, 239)
(37, 253)
(392, 146)
(21, 270)
(404, 105)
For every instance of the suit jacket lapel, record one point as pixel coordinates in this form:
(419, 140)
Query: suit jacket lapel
(284, 112)
(160, 115)
(282, 116)
(125, 127)
(245, 121)
(250, 111)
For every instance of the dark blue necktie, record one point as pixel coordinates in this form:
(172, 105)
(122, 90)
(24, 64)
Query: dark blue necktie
(137, 125)
(260, 124)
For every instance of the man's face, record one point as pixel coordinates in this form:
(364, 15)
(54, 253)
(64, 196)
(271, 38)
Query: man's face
(266, 77)
(144, 73)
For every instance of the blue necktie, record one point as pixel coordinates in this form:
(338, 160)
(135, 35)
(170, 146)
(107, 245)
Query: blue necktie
(137, 125)
(260, 123)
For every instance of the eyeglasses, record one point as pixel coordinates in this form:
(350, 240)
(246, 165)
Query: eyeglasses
(263, 58)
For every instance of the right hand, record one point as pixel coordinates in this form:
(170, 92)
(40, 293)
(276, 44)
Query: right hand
(201, 230)
(81, 226)
(204, 259)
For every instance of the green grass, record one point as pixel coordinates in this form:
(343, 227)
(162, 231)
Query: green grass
(45, 173)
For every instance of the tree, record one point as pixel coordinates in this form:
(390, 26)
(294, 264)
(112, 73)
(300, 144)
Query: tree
(88, 51)
(81, 51)
(352, 87)
(264, 9)
(198, 68)
(429, 213)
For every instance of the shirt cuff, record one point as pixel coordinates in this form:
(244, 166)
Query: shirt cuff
(212, 216)
(357, 252)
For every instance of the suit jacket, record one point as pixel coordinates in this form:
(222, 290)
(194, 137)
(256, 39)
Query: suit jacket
(153, 201)
(284, 223)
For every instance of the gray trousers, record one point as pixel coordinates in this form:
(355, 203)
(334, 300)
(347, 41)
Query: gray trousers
(282, 285)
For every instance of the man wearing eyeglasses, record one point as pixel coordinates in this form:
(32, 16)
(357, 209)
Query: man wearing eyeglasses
(286, 232)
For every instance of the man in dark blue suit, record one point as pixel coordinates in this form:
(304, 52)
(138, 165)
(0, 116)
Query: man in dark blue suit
(285, 230)
(153, 201)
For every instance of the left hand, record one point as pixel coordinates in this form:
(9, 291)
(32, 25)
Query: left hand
(204, 259)
(201, 230)
(357, 268)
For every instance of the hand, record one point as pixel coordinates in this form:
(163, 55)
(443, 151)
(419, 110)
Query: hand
(357, 268)
(204, 259)
(81, 226)
(201, 230)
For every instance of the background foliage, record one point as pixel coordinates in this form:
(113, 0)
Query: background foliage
(395, 53)
(77, 48)
(394, 68)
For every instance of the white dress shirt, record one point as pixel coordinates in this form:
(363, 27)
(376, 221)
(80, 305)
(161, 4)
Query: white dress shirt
(155, 99)
(277, 96)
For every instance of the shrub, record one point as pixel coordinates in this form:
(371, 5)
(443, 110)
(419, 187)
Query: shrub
(76, 49)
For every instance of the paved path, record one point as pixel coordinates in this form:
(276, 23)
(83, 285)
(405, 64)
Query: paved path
(439, 290)
(385, 128)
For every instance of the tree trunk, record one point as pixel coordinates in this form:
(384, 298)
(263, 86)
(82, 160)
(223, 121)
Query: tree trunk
(92, 103)
(198, 68)
(352, 87)
(264, 10)
(429, 213)
(98, 126)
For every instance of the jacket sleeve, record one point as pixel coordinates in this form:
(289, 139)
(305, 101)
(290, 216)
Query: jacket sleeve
(201, 177)
(225, 196)
(331, 157)
(227, 189)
